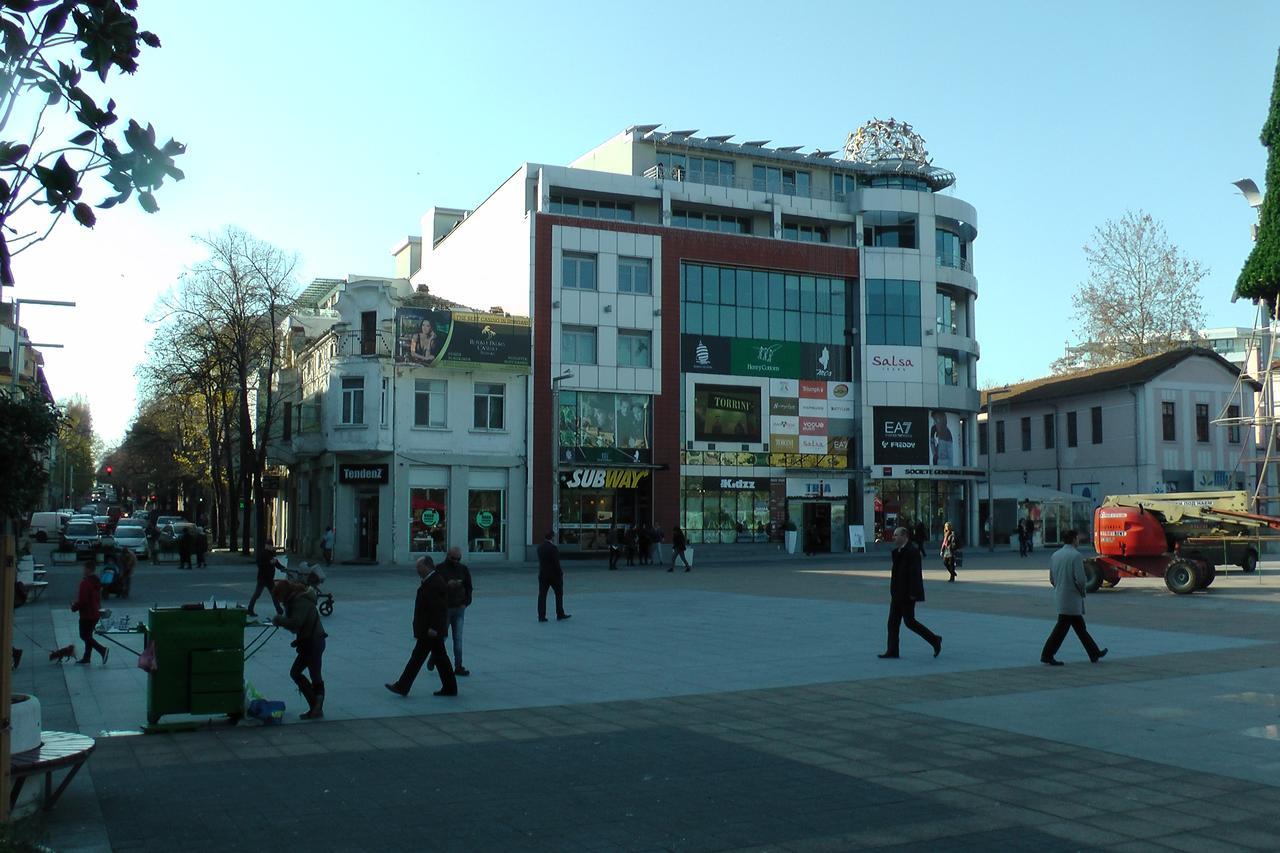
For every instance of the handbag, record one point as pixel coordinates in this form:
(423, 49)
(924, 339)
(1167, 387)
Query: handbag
(147, 660)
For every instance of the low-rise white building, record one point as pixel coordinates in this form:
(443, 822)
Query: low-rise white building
(1141, 426)
(403, 425)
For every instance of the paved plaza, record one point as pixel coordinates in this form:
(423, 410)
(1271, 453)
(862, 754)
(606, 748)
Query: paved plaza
(741, 706)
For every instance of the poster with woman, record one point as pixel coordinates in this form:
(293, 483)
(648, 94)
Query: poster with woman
(422, 334)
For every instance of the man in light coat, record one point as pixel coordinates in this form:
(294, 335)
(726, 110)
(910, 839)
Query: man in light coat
(1066, 573)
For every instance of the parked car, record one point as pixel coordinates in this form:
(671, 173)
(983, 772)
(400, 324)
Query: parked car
(47, 525)
(131, 536)
(83, 537)
(169, 533)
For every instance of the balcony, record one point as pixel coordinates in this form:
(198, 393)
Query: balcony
(955, 262)
(361, 344)
(678, 175)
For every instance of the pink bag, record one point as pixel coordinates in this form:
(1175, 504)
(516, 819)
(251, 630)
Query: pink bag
(147, 660)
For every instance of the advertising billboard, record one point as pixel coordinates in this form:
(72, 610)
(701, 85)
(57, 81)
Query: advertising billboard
(909, 436)
(894, 364)
(437, 337)
(778, 360)
(602, 427)
(726, 413)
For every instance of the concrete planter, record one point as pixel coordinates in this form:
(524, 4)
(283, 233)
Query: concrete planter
(26, 723)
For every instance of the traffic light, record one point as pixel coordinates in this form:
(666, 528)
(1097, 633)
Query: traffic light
(108, 470)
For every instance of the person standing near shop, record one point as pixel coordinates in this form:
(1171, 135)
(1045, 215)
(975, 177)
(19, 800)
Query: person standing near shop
(430, 626)
(88, 605)
(615, 547)
(266, 577)
(658, 536)
(921, 537)
(302, 618)
(550, 577)
(326, 545)
(1066, 573)
(644, 540)
(458, 578)
(678, 545)
(201, 547)
(906, 590)
(186, 542)
(950, 548)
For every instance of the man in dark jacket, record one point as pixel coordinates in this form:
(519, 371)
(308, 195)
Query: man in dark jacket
(430, 627)
(550, 576)
(266, 577)
(458, 578)
(906, 588)
(303, 619)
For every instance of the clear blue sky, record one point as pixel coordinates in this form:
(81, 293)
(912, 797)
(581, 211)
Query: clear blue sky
(329, 128)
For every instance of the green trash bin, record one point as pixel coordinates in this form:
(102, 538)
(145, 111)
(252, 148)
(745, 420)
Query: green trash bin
(199, 662)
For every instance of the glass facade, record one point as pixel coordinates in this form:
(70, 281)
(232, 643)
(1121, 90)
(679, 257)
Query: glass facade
(635, 348)
(599, 419)
(904, 503)
(635, 275)
(777, 179)
(486, 520)
(592, 208)
(428, 520)
(699, 170)
(805, 233)
(893, 312)
(751, 303)
(725, 515)
(951, 250)
(578, 345)
(704, 221)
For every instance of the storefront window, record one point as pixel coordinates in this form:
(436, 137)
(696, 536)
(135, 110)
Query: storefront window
(486, 520)
(905, 503)
(428, 520)
(715, 515)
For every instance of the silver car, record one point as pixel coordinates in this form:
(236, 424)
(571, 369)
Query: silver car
(132, 537)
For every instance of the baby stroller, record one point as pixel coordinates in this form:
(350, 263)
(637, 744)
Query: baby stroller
(313, 576)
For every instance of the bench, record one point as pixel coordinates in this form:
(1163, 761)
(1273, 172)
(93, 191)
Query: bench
(59, 750)
(35, 589)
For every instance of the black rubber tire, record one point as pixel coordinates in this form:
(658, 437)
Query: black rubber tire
(1250, 563)
(1093, 576)
(1207, 577)
(326, 608)
(1181, 577)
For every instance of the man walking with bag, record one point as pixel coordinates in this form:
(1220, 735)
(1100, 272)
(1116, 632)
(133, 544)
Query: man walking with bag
(550, 576)
(430, 626)
(1066, 573)
(906, 589)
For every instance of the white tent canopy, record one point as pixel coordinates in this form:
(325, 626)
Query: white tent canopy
(1036, 494)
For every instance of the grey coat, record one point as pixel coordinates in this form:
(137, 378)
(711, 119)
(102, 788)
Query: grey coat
(1066, 573)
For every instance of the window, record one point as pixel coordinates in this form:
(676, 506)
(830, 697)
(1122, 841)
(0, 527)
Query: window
(490, 397)
(429, 406)
(382, 403)
(1026, 433)
(700, 170)
(842, 185)
(897, 182)
(578, 345)
(635, 349)
(1168, 421)
(428, 520)
(982, 439)
(1202, 422)
(486, 520)
(1095, 423)
(592, 208)
(945, 314)
(1233, 429)
(805, 233)
(634, 275)
(948, 372)
(999, 436)
(368, 332)
(578, 271)
(1049, 436)
(760, 304)
(774, 179)
(1071, 429)
(353, 399)
(710, 221)
(286, 423)
(889, 229)
(951, 250)
(893, 312)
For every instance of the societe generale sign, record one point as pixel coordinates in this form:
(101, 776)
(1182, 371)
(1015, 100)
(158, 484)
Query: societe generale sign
(894, 364)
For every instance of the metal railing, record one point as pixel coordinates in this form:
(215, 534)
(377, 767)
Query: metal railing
(375, 344)
(955, 262)
(680, 175)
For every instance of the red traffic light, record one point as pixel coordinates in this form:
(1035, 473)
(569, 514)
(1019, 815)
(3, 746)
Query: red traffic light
(108, 470)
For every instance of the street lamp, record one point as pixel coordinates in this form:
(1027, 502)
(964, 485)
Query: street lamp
(17, 333)
(991, 450)
(555, 452)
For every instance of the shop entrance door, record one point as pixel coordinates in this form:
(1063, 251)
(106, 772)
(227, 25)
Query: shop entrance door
(367, 527)
(817, 516)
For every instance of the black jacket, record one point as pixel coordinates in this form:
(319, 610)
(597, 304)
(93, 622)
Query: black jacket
(906, 581)
(678, 540)
(549, 560)
(456, 570)
(430, 609)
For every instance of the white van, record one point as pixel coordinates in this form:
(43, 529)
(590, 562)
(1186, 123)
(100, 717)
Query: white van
(47, 525)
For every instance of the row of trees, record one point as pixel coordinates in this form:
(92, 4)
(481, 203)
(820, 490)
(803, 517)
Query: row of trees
(208, 403)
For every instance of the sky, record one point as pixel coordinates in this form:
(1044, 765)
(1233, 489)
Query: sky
(329, 133)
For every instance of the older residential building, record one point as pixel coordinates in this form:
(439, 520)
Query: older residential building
(403, 424)
(731, 337)
(1145, 425)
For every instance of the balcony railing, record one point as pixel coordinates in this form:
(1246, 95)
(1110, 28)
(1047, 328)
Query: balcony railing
(373, 344)
(955, 262)
(679, 175)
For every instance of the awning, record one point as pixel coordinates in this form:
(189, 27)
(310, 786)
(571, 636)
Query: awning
(1036, 494)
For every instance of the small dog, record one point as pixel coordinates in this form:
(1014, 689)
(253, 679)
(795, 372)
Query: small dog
(63, 654)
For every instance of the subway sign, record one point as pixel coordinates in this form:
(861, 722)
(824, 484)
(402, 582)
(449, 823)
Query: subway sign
(603, 478)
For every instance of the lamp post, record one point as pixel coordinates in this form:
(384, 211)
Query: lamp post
(17, 332)
(555, 453)
(991, 451)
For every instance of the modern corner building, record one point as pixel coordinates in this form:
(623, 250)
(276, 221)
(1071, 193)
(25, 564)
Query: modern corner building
(732, 337)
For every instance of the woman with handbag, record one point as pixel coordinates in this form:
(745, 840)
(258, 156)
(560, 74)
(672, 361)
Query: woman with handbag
(303, 619)
(950, 549)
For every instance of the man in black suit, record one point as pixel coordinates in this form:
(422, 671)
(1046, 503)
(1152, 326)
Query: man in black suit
(906, 587)
(550, 576)
(430, 627)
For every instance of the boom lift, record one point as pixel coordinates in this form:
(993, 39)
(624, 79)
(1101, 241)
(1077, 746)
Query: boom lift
(1181, 537)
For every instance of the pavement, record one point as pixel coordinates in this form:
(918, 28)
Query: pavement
(737, 707)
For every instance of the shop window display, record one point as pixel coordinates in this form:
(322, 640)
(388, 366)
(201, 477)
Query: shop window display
(428, 520)
(486, 520)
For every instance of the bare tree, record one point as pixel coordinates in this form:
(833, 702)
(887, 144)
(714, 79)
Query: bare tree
(1141, 297)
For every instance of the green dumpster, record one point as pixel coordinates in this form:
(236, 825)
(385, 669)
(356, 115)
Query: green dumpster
(199, 662)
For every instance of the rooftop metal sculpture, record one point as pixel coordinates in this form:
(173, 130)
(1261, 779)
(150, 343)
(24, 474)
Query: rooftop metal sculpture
(879, 140)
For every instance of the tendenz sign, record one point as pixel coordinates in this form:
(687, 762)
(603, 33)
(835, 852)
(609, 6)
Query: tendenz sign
(364, 474)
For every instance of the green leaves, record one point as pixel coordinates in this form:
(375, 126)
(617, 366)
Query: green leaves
(1260, 277)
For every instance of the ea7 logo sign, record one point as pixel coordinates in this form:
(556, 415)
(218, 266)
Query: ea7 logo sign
(898, 429)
